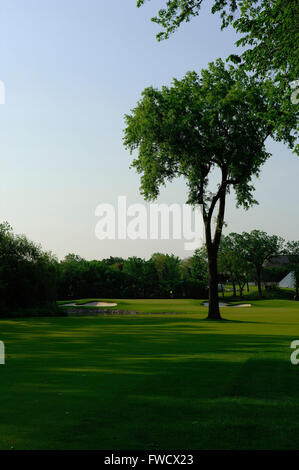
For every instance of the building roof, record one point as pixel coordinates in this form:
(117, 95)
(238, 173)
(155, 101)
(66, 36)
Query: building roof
(277, 261)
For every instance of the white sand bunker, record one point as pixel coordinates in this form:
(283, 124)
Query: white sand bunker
(240, 305)
(90, 304)
(101, 304)
(222, 304)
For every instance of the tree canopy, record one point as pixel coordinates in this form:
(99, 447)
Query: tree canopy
(218, 119)
(269, 29)
(269, 35)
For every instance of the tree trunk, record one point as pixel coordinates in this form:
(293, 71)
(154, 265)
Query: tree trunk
(213, 246)
(234, 289)
(297, 292)
(214, 312)
(247, 286)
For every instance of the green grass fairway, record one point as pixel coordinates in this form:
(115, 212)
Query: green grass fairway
(152, 381)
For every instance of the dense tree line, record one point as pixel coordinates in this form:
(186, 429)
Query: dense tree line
(30, 277)
(247, 257)
(162, 276)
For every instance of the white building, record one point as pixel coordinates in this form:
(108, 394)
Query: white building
(288, 281)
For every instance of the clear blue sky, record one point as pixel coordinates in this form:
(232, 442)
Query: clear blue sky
(72, 69)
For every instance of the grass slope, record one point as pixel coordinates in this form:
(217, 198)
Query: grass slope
(152, 382)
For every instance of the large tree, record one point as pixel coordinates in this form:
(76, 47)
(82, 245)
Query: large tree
(195, 126)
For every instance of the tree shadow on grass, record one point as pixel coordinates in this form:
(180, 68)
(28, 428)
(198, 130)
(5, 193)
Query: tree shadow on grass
(122, 386)
(226, 320)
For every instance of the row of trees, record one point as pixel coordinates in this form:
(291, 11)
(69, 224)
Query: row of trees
(31, 277)
(162, 276)
(244, 257)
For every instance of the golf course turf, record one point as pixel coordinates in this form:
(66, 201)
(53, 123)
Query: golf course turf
(152, 382)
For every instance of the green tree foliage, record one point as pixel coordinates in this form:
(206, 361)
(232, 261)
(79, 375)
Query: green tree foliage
(78, 278)
(29, 277)
(226, 258)
(27, 274)
(167, 267)
(198, 124)
(199, 265)
(159, 260)
(269, 29)
(114, 261)
(269, 34)
(144, 276)
(177, 12)
(177, 278)
(257, 247)
(232, 262)
(194, 271)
